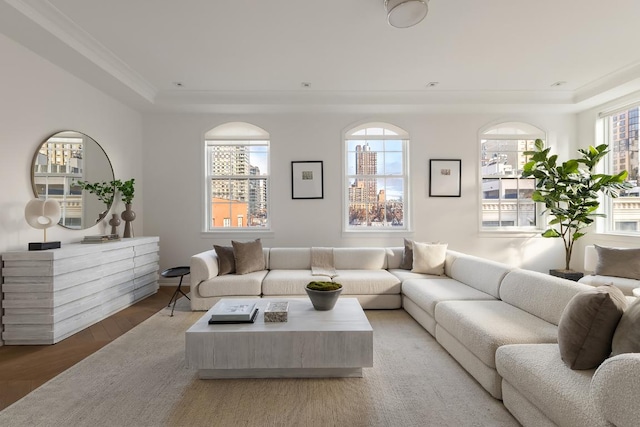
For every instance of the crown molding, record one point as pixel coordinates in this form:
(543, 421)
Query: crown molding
(47, 16)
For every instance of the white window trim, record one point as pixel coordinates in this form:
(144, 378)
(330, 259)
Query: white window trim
(406, 229)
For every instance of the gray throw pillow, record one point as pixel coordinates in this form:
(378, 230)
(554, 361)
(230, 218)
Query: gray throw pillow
(407, 255)
(587, 325)
(226, 260)
(248, 256)
(627, 336)
(618, 262)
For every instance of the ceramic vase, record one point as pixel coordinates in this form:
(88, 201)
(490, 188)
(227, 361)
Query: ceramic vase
(114, 222)
(128, 216)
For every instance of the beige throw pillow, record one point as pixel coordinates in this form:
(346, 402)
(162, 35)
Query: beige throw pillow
(587, 325)
(618, 262)
(226, 260)
(248, 256)
(626, 339)
(407, 255)
(428, 258)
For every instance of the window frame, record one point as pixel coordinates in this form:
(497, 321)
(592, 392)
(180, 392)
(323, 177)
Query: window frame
(604, 135)
(529, 132)
(235, 134)
(396, 134)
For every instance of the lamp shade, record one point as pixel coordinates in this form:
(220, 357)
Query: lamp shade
(405, 13)
(42, 214)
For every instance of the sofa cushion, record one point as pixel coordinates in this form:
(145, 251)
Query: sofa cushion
(479, 273)
(226, 260)
(232, 285)
(361, 282)
(540, 294)
(360, 258)
(426, 293)
(288, 282)
(290, 259)
(587, 326)
(407, 255)
(538, 373)
(407, 274)
(618, 262)
(483, 326)
(626, 285)
(626, 338)
(248, 256)
(429, 258)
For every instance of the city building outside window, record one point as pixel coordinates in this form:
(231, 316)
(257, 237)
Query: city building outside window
(620, 132)
(237, 177)
(505, 196)
(376, 178)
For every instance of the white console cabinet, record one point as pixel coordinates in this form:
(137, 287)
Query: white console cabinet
(52, 294)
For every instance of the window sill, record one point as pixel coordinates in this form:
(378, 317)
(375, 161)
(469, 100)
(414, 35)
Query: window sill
(510, 233)
(238, 234)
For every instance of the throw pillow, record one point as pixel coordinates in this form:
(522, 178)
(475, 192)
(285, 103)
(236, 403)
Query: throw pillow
(407, 255)
(428, 258)
(626, 339)
(618, 262)
(226, 261)
(587, 325)
(248, 256)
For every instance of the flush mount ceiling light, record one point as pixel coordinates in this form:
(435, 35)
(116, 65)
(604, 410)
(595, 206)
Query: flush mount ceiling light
(405, 13)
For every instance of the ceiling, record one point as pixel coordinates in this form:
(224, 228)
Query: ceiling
(240, 54)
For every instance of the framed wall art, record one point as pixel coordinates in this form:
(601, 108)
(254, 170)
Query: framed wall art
(307, 180)
(445, 177)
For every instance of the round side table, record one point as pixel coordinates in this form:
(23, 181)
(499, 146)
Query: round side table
(176, 272)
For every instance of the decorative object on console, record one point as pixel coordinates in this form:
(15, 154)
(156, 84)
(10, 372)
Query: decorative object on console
(127, 190)
(406, 13)
(114, 222)
(100, 238)
(42, 214)
(445, 177)
(307, 180)
(570, 191)
(248, 256)
(587, 326)
(323, 295)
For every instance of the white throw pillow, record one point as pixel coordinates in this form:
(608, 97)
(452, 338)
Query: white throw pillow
(428, 258)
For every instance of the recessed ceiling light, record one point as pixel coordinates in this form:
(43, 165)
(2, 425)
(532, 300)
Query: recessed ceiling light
(432, 84)
(178, 84)
(305, 84)
(559, 83)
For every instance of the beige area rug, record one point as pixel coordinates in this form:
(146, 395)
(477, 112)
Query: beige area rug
(141, 379)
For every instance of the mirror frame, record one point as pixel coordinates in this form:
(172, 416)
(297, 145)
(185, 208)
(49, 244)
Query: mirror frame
(85, 223)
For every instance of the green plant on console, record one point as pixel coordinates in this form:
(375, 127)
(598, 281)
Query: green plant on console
(570, 191)
(324, 286)
(126, 189)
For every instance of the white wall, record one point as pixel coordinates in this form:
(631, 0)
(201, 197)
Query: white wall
(36, 100)
(173, 182)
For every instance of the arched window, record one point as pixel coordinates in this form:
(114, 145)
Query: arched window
(506, 197)
(237, 177)
(376, 178)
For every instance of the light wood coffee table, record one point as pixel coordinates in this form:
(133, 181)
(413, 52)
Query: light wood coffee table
(334, 343)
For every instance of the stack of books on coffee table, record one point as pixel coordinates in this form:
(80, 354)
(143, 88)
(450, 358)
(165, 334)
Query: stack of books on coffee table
(233, 312)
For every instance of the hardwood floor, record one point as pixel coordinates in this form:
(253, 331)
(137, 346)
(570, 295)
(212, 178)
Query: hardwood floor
(25, 368)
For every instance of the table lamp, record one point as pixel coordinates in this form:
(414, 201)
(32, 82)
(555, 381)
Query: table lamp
(42, 214)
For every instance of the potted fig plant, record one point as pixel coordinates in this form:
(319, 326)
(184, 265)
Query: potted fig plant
(570, 192)
(323, 295)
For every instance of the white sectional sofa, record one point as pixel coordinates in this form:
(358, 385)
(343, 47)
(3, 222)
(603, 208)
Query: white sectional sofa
(500, 323)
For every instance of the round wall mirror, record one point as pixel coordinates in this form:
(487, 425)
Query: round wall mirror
(60, 163)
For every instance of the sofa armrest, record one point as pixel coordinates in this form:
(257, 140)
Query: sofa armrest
(204, 266)
(615, 388)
